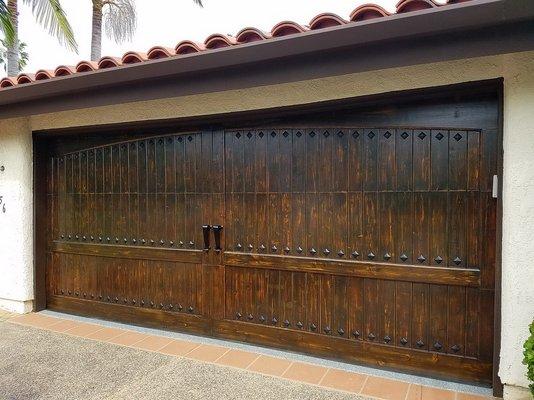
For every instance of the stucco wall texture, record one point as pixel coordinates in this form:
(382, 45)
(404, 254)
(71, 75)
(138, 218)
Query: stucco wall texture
(518, 181)
(16, 219)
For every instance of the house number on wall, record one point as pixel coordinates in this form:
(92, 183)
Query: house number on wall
(2, 204)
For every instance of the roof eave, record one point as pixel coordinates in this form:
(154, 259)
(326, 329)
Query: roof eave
(463, 16)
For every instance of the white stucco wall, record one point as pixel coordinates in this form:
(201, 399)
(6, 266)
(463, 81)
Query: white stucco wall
(518, 221)
(518, 181)
(16, 223)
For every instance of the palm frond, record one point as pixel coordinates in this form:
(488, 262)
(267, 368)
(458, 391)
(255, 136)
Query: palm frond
(120, 19)
(51, 16)
(6, 24)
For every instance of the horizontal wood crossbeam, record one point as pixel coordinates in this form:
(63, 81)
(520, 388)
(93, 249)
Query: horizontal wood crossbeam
(397, 272)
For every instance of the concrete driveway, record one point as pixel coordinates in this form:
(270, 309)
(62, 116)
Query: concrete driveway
(39, 364)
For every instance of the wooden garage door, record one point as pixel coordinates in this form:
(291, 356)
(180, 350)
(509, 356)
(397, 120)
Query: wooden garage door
(373, 245)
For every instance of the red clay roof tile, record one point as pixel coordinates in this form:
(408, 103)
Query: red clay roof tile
(215, 41)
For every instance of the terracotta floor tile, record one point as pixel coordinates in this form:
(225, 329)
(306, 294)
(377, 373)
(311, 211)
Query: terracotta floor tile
(386, 389)
(128, 338)
(63, 325)
(178, 348)
(414, 392)
(35, 320)
(83, 329)
(269, 365)
(207, 352)
(152, 343)
(468, 396)
(105, 334)
(237, 358)
(305, 372)
(430, 393)
(343, 380)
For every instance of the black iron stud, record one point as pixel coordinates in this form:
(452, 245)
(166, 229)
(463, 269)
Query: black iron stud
(404, 341)
(77, 237)
(180, 307)
(181, 243)
(162, 242)
(274, 249)
(249, 135)
(299, 134)
(107, 298)
(438, 346)
(326, 134)
(326, 252)
(371, 255)
(312, 134)
(457, 261)
(262, 319)
(438, 260)
(439, 136)
(421, 258)
(422, 135)
(457, 137)
(313, 327)
(62, 236)
(62, 291)
(299, 250)
(261, 134)
(171, 306)
(250, 247)
(239, 247)
(387, 339)
(287, 250)
(419, 343)
(238, 315)
(262, 247)
(180, 139)
(142, 302)
(191, 243)
(274, 321)
(273, 134)
(92, 238)
(250, 317)
(133, 301)
(404, 135)
(341, 253)
(341, 331)
(100, 238)
(161, 305)
(190, 309)
(313, 251)
(356, 334)
(143, 241)
(355, 134)
(387, 256)
(77, 293)
(125, 301)
(70, 237)
(327, 330)
(190, 138)
(152, 242)
(71, 293)
(355, 254)
(403, 257)
(387, 135)
(455, 348)
(286, 323)
(84, 238)
(152, 303)
(171, 243)
(371, 135)
(371, 336)
(286, 133)
(238, 135)
(300, 325)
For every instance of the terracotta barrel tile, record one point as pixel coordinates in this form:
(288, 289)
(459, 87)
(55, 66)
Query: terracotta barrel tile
(269, 365)
(305, 373)
(82, 329)
(237, 358)
(386, 389)
(207, 352)
(343, 380)
(105, 334)
(178, 348)
(430, 393)
(128, 338)
(152, 343)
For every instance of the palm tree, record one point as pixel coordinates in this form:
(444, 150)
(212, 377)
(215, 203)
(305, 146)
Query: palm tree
(120, 21)
(6, 26)
(50, 15)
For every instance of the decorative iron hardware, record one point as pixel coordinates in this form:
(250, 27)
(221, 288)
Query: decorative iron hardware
(387, 256)
(404, 341)
(371, 336)
(438, 346)
(341, 331)
(190, 309)
(355, 254)
(438, 260)
(274, 321)
(356, 334)
(206, 234)
(341, 253)
(403, 257)
(421, 258)
(420, 343)
(262, 319)
(326, 252)
(217, 232)
(313, 327)
(327, 330)
(250, 317)
(457, 260)
(387, 339)
(371, 255)
(455, 348)
(239, 246)
(286, 323)
(300, 325)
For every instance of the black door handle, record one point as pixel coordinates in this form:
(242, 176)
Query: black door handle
(217, 232)
(206, 234)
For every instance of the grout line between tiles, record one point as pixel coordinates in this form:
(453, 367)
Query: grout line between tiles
(190, 351)
(364, 383)
(322, 378)
(222, 355)
(252, 362)
(287, 369)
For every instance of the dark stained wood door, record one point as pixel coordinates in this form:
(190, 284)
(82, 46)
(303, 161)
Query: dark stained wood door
(372, 245)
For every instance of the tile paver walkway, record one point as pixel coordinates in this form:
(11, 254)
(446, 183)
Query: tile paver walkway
(331, 378)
